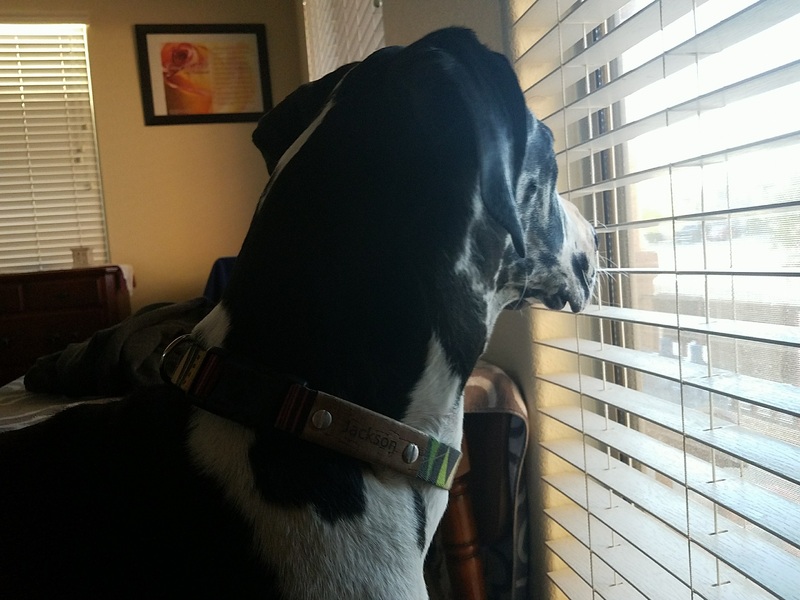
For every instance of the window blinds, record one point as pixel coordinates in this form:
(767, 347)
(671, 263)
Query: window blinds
(670, 410)
(50, 193)
(339, 32)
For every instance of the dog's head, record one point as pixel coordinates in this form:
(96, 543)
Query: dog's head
(559, 265)
(411, 195)
(453, 89)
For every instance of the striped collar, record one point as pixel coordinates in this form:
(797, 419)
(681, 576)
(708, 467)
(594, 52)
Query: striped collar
(219, 385)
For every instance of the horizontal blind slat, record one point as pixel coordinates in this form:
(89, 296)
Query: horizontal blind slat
(780, 272)
(636, 176)
(752, 20)
(566, 580)
(788, 335)
(575, 554)
(658, 68)
(340, 32)
(770, 209)
(778, 396)
(532, 24)
(657, 455)
(770, 454)
(645, 362)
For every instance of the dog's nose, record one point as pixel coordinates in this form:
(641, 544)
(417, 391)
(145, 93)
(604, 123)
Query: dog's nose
(558, 300)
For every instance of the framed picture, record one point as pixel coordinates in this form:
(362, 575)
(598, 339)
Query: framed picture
(203, 73)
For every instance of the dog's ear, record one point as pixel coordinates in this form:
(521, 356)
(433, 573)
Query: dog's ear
(503, 134)
(492, 102)
(281, 126)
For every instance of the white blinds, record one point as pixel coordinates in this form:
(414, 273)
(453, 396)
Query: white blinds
(339, 32)
(50, 193)
(671, 410)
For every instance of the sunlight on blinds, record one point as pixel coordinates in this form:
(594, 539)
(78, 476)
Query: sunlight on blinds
(339, 32)
(50, 192)
(671, 409)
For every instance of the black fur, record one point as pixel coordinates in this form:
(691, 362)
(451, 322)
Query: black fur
(422, 519)
(101, 501)
(278, 129)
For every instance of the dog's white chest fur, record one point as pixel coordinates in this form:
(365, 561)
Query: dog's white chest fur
(373, 556)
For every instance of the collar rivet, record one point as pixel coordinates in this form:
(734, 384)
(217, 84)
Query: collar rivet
(322, 419)
(411, 454)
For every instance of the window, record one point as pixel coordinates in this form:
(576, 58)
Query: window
(50, 193)
(670, 410)
(341, 31)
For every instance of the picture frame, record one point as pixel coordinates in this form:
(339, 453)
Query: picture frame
(203, 73)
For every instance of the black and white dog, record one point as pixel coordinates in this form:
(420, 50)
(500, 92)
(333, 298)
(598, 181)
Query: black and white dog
(412, 198)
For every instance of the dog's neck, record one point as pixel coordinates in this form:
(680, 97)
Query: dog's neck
(365, 329)
(392, 356)
(361, 318)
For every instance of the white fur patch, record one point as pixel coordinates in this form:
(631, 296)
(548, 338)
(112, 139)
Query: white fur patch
(292, 150)
(214, 327)
(437, 409)
(436, 406)
(374, 556)
(465, 265)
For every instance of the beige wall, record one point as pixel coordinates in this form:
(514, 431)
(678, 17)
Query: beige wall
(176, 196)
(408, 20)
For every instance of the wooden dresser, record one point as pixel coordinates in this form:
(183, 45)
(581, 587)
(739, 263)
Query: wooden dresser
(42, 312)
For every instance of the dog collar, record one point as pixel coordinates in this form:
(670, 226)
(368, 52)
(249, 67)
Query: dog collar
(219, 385)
